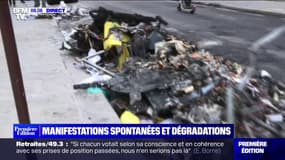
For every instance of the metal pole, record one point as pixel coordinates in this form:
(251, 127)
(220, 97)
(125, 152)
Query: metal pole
(98, 67)
(14, 68)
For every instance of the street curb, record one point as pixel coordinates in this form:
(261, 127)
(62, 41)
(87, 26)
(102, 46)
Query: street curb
(282, 15)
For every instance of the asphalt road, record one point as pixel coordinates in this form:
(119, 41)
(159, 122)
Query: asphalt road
(236, 30)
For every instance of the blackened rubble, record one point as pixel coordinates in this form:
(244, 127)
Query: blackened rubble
(167, 79)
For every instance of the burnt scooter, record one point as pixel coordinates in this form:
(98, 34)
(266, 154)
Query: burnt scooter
(186, 6)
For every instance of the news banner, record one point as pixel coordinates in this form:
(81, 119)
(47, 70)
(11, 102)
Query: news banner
(136, 141)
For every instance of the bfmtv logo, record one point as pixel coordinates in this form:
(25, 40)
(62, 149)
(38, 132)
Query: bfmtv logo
(21, 13)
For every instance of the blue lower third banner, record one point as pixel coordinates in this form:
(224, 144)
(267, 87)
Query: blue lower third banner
(116, 149)
(120, 142)
(123, 131)
(143, 142)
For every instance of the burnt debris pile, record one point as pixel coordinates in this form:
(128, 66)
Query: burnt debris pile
(151, 76)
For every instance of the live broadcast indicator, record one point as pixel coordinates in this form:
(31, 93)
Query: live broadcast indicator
(54, 10)
(38, 10)
(24, 13)
(47, 10)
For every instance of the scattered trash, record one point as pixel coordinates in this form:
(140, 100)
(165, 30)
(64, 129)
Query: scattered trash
(155, 77)
(95, 90)
(265, 74)
(275, 118)
(128, 117)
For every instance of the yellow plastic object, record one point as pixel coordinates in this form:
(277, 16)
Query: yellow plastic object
(114, 40)
(128, 117)
(123, 58)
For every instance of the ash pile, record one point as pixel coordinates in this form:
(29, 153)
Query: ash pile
(151, 76)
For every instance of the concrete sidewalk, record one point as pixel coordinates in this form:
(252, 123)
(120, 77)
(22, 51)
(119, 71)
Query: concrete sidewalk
(48, 75)
(276, 8)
